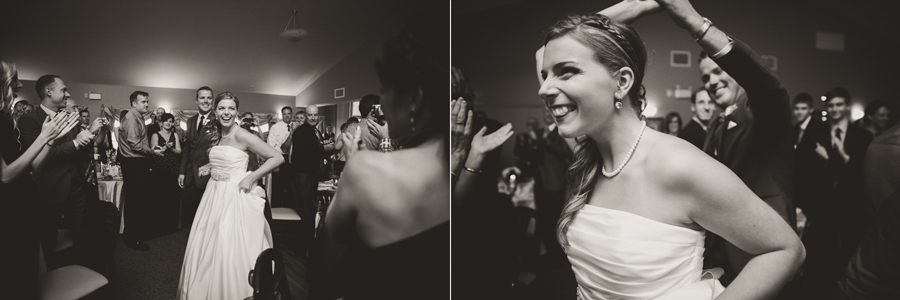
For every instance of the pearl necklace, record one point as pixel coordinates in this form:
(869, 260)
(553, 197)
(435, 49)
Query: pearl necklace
(229, 134)
(627, 157)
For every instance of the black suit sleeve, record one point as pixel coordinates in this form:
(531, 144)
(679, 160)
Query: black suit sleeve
(307, 150)
(768, 99)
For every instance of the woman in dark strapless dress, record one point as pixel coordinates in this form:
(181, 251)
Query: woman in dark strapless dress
(17, 190)
(392, 208)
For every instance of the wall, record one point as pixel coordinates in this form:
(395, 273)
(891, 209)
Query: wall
(355, 73)
(495, 50)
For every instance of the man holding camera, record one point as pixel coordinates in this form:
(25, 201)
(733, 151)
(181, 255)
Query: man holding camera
(373, 127)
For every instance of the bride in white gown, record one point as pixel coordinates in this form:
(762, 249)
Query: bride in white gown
(229, 230)
(637, 231)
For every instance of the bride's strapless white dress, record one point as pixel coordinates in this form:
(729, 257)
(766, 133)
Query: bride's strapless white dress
(228, 234)
(620, 255)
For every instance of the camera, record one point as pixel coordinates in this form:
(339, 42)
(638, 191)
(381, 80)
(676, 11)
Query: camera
(378, 114)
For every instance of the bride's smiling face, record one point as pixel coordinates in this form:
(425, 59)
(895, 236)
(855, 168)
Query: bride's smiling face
(577, 90)
(226, 112)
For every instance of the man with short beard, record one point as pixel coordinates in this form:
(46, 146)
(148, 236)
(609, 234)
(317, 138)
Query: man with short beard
(195, 154)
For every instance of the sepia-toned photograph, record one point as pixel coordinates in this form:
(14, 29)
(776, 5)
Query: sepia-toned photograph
(278, 149)
(675, 149)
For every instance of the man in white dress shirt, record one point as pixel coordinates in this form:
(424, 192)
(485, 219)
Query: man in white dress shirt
(279, 132)
(279, 135)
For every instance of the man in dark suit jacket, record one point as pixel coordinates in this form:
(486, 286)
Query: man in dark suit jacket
(195, 154)
(695, 131)
(62, 178)
(845, 157)
(752, 137)
(809, 183)
(306, 154)
(836, 212)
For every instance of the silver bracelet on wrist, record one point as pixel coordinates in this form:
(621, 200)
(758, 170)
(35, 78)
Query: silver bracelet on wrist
(703, 29)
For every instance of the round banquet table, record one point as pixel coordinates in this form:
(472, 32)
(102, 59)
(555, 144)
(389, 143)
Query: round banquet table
(111, 191)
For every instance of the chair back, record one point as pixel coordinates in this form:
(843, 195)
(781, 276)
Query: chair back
(268, 278)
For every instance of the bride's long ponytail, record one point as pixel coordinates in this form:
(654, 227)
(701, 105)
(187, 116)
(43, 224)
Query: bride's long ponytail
(580, 179)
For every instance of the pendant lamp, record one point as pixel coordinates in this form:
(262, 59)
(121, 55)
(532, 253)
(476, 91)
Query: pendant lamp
(292, 33)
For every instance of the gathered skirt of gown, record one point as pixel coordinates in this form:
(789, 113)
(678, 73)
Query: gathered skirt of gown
(228, 234)
(620, 255)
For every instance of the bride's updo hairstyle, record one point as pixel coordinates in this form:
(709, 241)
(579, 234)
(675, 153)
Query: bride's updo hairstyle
(615, 46)
(217, 134)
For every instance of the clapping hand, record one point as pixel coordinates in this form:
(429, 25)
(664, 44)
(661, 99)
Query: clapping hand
(460, 133)
(484, 143)
(460, 127)
(68, 121)
(84, 137)
(351, 142)
(821, 151)
(57, 126)
(95, 126)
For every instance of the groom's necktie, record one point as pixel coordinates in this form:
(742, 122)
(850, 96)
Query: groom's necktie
(200, 124)
(288, 142)
(716, 130)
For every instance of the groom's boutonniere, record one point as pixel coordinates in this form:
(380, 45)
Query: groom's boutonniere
(210, 126)
(204, 170)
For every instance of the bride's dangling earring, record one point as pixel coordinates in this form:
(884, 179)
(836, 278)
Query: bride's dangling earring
(618, 103)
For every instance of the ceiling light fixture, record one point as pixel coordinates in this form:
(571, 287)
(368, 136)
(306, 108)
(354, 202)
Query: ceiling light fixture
(293, 34)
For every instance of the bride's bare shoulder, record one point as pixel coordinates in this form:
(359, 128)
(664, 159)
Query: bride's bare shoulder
(675, 158)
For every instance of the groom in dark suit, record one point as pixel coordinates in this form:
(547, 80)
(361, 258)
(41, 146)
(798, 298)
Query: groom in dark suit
(62, 180)
(752, 137)
(195, 154)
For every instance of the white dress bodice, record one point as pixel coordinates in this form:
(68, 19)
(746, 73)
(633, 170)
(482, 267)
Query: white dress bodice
(620, 255)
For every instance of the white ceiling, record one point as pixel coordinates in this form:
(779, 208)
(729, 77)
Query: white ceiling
(191, 43)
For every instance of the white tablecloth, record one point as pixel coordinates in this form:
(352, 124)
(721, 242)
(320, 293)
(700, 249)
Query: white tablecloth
(111, 191)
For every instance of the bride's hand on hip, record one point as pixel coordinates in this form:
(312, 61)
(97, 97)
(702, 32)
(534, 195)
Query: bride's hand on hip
(247, 184)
